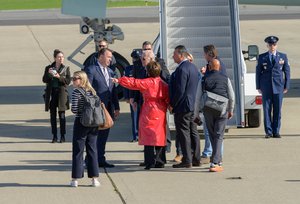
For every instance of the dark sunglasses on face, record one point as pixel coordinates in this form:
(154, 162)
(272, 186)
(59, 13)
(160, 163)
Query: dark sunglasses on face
(75, 78)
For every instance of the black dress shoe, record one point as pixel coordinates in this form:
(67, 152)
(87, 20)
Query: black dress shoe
(268, 136)
(62, 139)
(54, 140)
(159, 165)
(196, 164)
(276, 136)
(149, 166)
(142, 164)
(107, 165)
(182, 165)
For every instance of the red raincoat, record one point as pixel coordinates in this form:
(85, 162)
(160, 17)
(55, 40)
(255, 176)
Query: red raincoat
(152, 120)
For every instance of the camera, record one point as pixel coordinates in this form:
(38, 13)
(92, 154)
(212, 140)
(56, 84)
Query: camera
(53, 72)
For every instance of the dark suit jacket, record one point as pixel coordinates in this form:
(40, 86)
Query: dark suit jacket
(164, 74)
(183, 87)
(107, 94)
(129, 73)
(272, 79)
(93, 60)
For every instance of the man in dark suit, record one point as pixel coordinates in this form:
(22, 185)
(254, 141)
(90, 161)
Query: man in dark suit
(272, 81)
(183, 86)
(93, 58)
(100, 77)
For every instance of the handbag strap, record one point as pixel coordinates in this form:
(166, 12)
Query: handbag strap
(82, 91)
(63, 70)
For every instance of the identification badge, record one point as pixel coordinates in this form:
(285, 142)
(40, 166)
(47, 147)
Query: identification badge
(281, 61)
(265, 65)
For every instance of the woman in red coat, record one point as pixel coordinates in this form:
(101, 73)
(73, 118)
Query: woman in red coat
(152, 122)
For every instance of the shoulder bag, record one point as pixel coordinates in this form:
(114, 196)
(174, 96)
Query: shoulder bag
(108, 121)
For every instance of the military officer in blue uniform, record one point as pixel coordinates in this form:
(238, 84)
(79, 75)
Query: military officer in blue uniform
(272, 81)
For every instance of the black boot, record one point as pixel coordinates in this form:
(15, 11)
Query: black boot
(62, 139)
(54, 140)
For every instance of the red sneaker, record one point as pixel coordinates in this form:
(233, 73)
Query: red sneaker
(216, 168)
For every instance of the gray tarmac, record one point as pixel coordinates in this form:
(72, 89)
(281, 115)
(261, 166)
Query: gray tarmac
(148, 14)
(32, 170)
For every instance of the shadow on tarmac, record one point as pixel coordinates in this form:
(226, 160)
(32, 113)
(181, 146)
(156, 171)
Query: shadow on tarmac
(294, 90)
(31, 129)
(39, 129)
(23, 94)
(3, 185)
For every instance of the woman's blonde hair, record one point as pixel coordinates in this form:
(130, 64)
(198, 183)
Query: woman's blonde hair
(85, 83)
(190, 57)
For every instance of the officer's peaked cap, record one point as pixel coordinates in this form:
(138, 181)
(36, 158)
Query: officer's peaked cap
(271, 39)
(136, 54)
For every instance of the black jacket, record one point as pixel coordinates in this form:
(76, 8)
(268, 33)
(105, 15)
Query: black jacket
(64, 81)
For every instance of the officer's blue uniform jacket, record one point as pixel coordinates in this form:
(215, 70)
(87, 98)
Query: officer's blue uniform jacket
(272, 77)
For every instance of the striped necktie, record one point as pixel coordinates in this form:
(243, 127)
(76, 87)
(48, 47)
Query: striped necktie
(104, 70)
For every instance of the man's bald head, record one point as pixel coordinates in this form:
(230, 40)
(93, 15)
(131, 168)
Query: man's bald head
(214, 64)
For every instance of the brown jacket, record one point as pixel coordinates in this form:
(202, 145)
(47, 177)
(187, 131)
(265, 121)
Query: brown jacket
(64, 81)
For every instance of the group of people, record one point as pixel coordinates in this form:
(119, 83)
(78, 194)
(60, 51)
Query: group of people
(151, 92)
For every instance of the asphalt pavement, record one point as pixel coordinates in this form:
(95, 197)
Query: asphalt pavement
(148, 14)
(32, 170)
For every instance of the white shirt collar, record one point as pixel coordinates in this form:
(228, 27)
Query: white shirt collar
(270, 53)
(182, 62)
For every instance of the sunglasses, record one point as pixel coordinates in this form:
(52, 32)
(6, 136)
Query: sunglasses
(75, 78)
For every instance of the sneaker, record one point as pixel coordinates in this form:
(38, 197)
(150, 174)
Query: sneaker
(216, 168)
(204, 160)
(95, 182)
(178, 158)
(74, 183)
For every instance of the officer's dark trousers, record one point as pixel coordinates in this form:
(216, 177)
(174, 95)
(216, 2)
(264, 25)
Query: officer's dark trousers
(216, 128)
(272, 102)
(134, 125)
(53, 111)
(84, 136)
(188, 136)
(154, 155)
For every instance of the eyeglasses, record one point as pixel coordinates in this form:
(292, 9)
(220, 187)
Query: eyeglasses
(75, 78)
